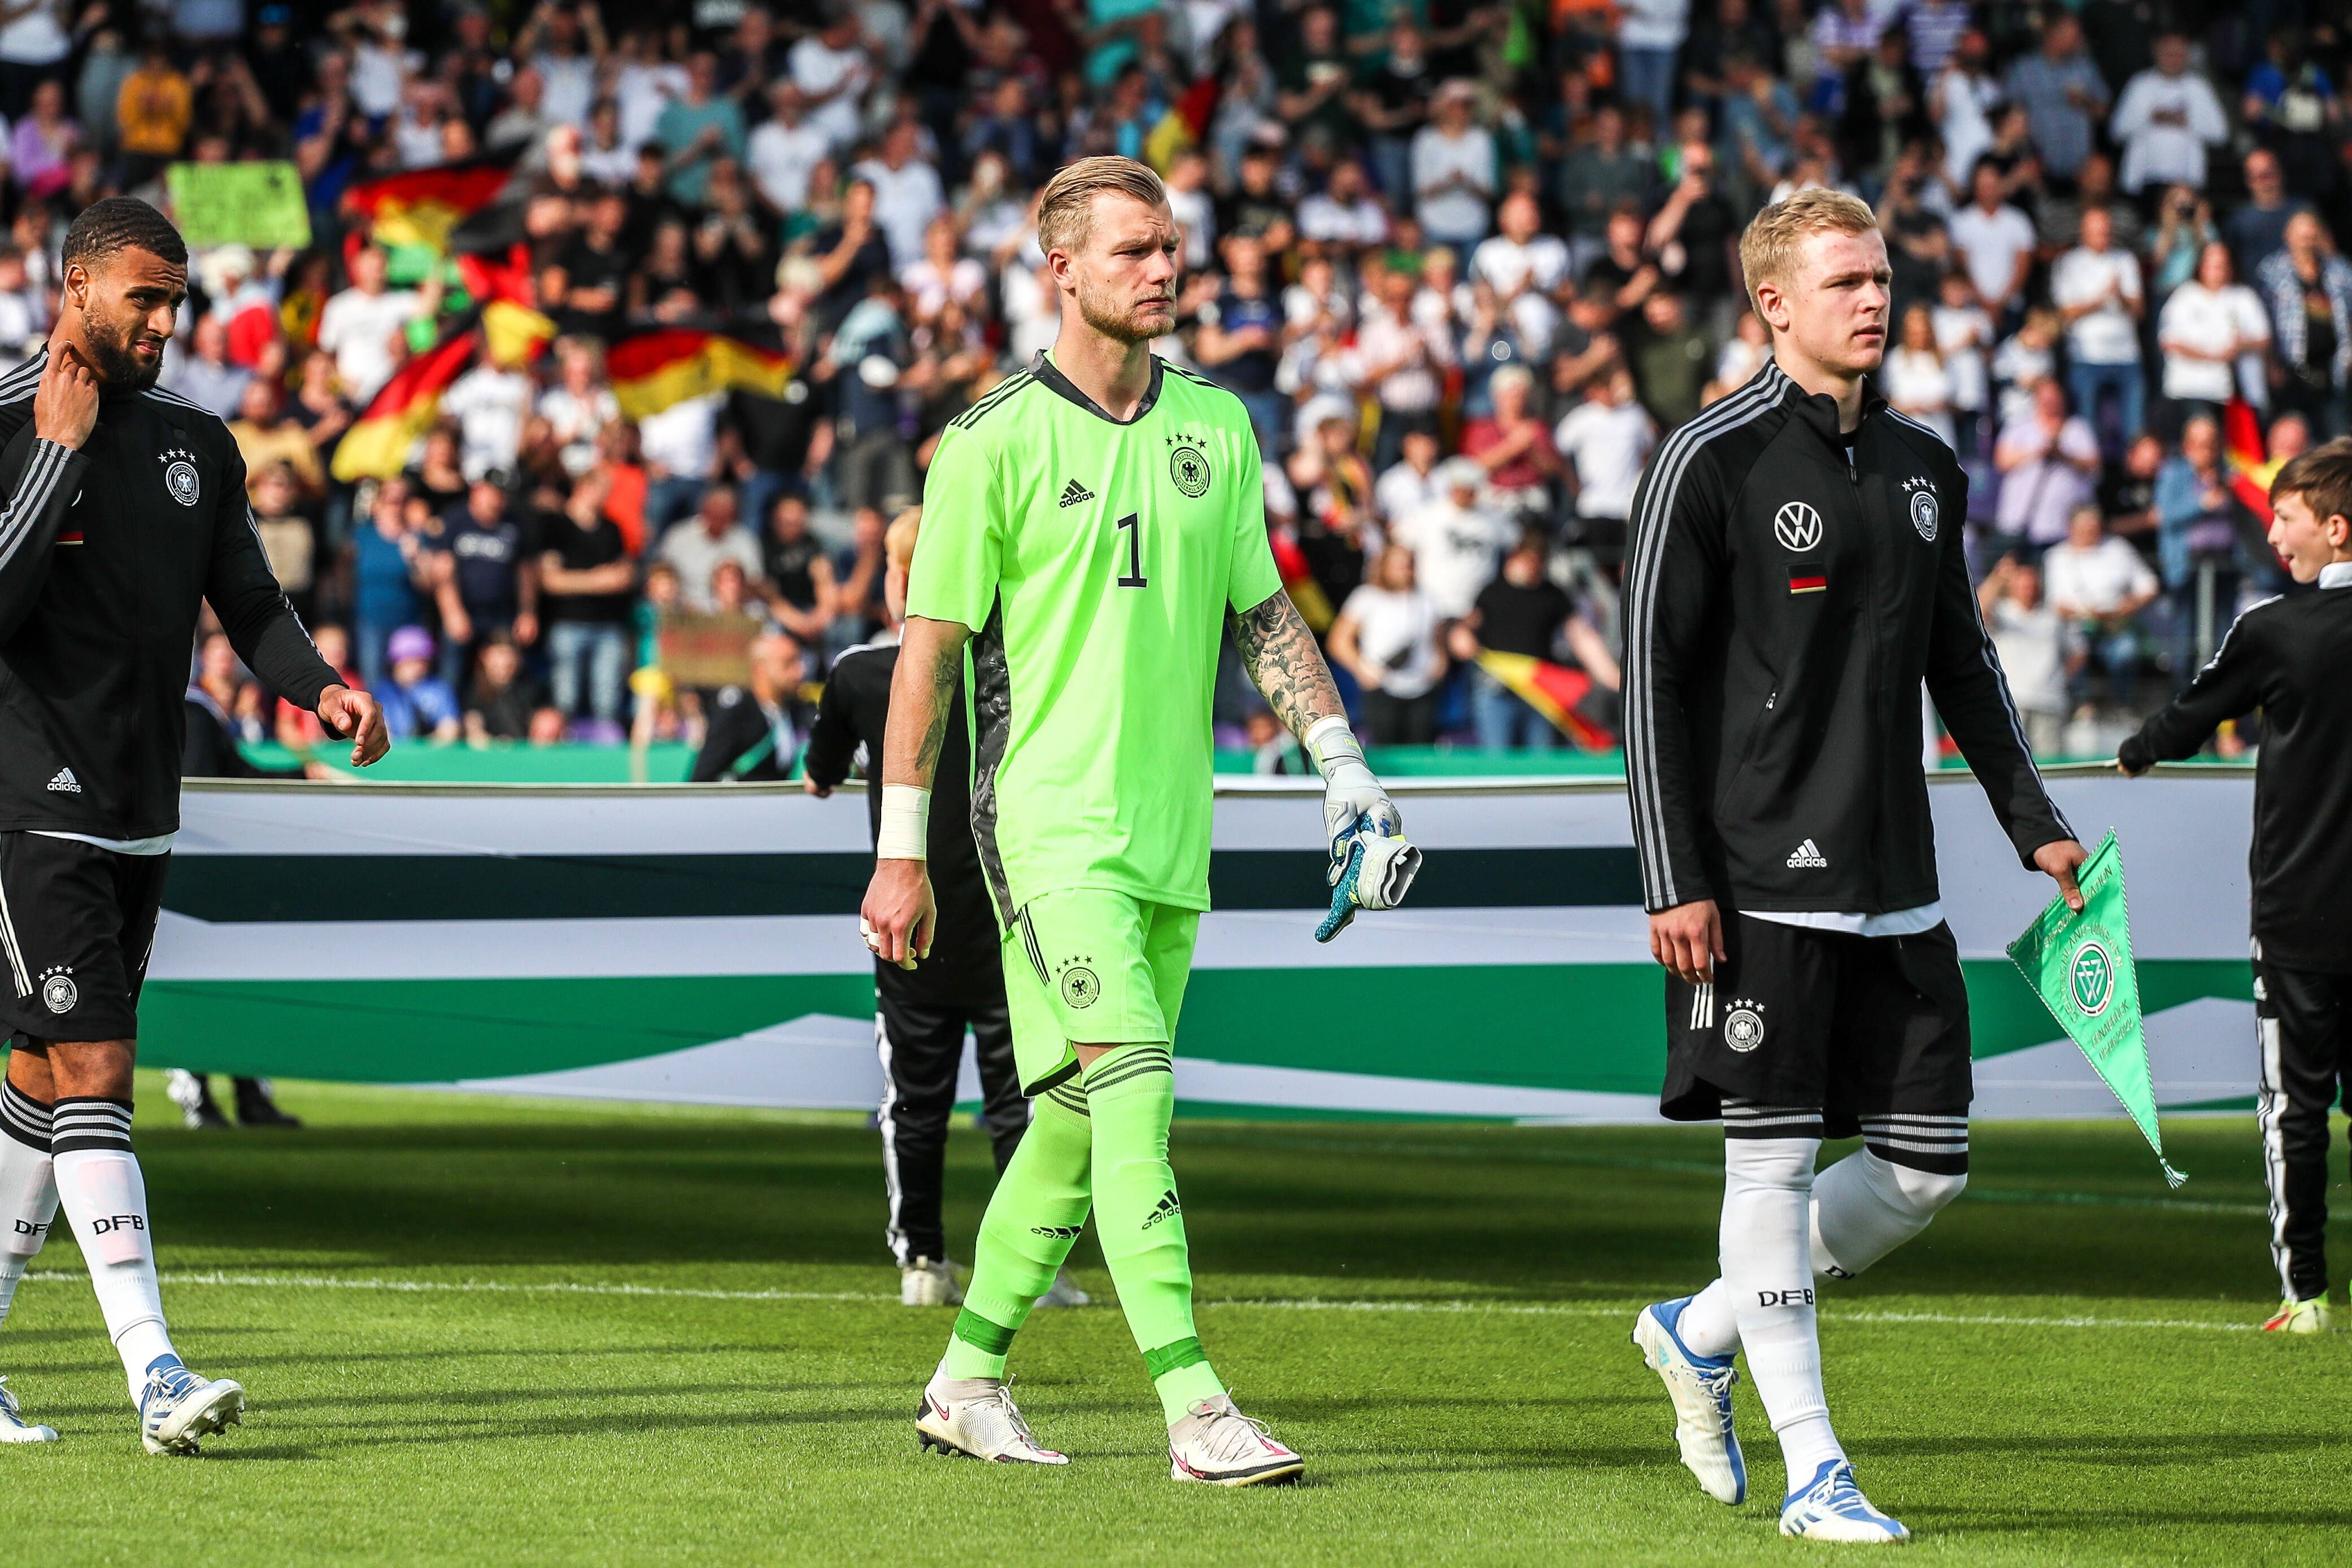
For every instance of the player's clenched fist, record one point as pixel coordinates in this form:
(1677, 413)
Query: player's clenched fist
(65, 409)
(898, 912)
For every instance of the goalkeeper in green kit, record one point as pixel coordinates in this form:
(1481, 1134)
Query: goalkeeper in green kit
(1089, 529)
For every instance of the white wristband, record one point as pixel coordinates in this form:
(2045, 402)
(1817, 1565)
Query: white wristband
(1334, 746)
(905, 833)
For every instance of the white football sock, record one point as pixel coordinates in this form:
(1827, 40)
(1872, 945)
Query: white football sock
(1709, 1326)
(106, 1198)
(1865, 1207)
(28, 1194)
(1767, 1274)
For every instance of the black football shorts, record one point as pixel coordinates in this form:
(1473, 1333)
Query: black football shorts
(77, 923)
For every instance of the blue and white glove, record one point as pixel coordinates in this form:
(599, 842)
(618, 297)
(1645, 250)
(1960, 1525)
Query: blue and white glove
(1349, 790)
(1371, 865)
(1377, 873)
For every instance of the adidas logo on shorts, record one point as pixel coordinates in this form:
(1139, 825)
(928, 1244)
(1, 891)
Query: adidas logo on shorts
(65, 782)
(1809, 857)
(1075, 492)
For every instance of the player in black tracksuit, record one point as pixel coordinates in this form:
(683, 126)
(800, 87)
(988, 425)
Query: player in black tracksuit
(2292, 657)
(122, 510)
(1795, 574)
(921, 1014)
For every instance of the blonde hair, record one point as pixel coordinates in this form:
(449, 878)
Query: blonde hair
(1065, 212)
(899, 543)
(1768, 249)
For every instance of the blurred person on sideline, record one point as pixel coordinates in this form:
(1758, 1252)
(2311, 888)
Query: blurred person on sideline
(1387, 637)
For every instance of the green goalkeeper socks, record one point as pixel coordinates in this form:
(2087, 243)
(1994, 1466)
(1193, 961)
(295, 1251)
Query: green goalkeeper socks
(1132, 1095)
(1037, 1213)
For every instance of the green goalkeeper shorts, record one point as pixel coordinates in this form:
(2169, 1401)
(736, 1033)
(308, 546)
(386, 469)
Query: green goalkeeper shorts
(1093, 968)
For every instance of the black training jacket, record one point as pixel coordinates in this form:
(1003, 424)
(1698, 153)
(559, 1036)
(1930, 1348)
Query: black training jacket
(105, 555)
(853, 713)
(2292, 657)
(1784, 597)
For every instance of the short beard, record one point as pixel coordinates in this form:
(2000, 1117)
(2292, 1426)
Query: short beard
(1114, 322)
(113, 360)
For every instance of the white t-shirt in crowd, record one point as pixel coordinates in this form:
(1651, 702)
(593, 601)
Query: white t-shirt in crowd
(577, 420)
(1397, 632)
(781, 158)
(2107, 335)
(2095, 581)
(642, 92)
(1990, 243)
(1608, 445)
(570, 87)
(2031, 644)
(1654, 23)
(2166, 154)
(489, 405)
(35, 38)
(1920, 385)
(1526, 275)
(357, 328)
(2016, 366)
(905, 201)
(1403, 490)
(683, 438)
(1454, 551)
(1961, 332)
(818, 69)
(1195, 213)
(2214, 321)
(1324, 218)
(1458, 212)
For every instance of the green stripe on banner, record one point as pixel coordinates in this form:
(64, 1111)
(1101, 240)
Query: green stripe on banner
(1589, 1026)
(235, 888)
(1167, 1358)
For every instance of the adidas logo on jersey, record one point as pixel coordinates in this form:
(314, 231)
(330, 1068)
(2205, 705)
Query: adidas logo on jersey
(1809, 857)
(65, 782)
(1075, 492)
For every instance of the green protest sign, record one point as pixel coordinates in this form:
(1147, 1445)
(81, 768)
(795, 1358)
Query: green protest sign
(2081, 966)
(259, 205)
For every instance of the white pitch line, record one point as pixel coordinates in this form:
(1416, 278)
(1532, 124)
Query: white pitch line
(1296, 1304)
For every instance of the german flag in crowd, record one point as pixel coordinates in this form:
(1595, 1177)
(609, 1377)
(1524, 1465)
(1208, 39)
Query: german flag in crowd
(513, 329)
(651, 370)
(420, 207)
(2249, 468)
(1307, 596)
(376, 445)
(1553, 690)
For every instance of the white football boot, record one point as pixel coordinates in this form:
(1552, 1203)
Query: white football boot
(177, 1407)
(1830, 1507)
(13, 1427)
(1065, 1293)
(1700, 1387)
(929, 1282)
(1217, 1444)
(975, 1416)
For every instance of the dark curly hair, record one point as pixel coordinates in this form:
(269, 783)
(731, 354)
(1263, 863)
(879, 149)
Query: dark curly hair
(121, 223)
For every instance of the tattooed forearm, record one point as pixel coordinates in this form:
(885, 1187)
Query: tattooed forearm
(922, 694)
(1281, 656)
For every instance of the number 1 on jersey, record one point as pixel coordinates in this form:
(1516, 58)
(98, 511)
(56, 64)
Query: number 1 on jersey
(1133, 526)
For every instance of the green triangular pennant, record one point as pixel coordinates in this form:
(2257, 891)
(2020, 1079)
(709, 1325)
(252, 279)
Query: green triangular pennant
(2081, 966)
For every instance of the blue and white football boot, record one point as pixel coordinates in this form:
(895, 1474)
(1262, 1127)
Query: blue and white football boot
(177, 1407)
(13, 1427)
(1700, 1386)
(1830, 1507)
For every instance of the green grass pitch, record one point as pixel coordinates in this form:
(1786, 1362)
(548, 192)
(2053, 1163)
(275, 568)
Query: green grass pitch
(486, 1331)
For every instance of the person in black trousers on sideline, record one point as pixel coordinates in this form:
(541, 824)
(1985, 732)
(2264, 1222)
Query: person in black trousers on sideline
(2289, 657)
(921, 1011)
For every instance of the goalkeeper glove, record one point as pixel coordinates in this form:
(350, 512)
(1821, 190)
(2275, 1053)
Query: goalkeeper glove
(1350, 793)
(1376, 873)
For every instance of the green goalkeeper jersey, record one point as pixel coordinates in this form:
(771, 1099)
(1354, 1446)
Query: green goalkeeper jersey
(1094, 562)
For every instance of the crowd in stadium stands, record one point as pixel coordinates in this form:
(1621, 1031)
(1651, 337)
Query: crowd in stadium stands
(1463, 261)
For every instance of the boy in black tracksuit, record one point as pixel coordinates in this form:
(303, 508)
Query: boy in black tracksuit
(2291, 656)
(920, 1015)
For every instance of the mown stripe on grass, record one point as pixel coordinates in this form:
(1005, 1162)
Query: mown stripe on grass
(1271, 1303)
